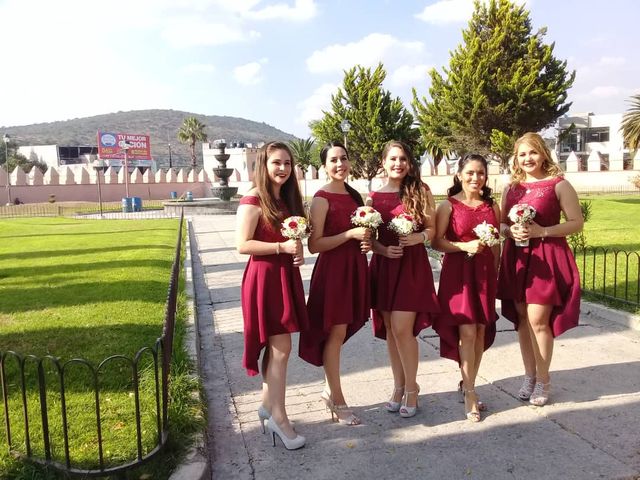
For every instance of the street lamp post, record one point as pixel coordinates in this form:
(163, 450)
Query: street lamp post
(170, 165)
(345, 126)
(5, 139)
(124, 145)
(98, 164)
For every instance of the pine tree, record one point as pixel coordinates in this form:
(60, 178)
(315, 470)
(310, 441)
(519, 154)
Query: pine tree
(375, 118)
(502, 78)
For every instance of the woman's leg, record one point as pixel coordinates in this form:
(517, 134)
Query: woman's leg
(407, 348)
(542, 339)
(265, 386)
(468, 368)
(394, 359)
(525, 338)
(331, 362)
(467, 349)
(279, 350)
(479, 348)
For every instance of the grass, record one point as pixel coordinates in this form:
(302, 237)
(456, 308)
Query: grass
(91, 289)
(612, 262)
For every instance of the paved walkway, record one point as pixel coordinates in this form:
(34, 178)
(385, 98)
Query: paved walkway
(591, 430)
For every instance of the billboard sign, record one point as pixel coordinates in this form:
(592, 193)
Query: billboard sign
(111, 148)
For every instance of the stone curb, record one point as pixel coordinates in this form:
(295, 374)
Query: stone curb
(626, 319)
(195, 465)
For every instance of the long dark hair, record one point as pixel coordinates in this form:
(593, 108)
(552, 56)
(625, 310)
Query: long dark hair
(413, 191)
(323, 158)
(289, 192)
(457, 184)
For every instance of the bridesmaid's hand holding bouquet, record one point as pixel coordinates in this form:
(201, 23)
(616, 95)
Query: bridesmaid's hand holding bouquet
(521, 214)
(367, 218)
(404, 225)
(295, 229)
(487, 234)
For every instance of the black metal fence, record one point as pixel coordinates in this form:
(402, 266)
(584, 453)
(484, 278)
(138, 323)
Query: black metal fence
(13, 376)
(610, 273)
(149, 209)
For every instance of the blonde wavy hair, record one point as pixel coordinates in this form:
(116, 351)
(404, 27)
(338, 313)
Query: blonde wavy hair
(413, 191)
(537, 142)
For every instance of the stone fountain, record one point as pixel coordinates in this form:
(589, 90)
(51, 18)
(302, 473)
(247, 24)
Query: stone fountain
(222, 190)
(220, 202)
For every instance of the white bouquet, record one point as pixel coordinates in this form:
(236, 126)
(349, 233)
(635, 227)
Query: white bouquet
(522, 213)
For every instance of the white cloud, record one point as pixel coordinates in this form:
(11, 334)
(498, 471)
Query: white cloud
(410, 75)
(605, 91)
(189, 31)
(612, 61)
(194, 68)
(372, 49)
(302, 10)
(250, 73)
(312, 107)
(446, 12)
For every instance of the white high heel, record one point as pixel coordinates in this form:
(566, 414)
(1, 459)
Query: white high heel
(263, 416)
(289, 443)
(392, 405)
(406, 411)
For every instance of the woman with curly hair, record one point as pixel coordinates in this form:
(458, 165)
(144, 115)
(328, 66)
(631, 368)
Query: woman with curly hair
(402, 289)
(539, 283)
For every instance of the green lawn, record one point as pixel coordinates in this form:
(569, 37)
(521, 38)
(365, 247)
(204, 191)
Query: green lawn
(85, 288)
(611, 265)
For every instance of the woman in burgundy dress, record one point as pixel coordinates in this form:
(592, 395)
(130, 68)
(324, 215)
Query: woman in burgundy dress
(338, 304)
(272, 293)
(467, 290)
(403, 297)
(539, 284)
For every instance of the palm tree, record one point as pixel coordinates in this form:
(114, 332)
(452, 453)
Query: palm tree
(303, 151)
(436, 149)
(631, 124)
(190, 132)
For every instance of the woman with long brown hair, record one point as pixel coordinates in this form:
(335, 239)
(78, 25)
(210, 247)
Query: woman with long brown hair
(273, 303)
(403, 298)
(338, 304)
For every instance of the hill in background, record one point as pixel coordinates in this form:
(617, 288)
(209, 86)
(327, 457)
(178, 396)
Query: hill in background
(161, 125)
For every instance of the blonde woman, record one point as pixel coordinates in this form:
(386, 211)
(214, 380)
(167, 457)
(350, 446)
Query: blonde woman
(539, 284)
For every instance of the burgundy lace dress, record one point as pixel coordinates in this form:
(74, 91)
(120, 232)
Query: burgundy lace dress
(400, 284)
(545, 272)
(467, 289)
(272, 294)
(339, 291)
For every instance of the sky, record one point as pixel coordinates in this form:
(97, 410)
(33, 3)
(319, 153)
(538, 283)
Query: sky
(274, 61)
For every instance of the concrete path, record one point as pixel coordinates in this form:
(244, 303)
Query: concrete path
(591, 430)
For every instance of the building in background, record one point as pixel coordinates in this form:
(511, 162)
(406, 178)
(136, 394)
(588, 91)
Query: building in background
(590, 142)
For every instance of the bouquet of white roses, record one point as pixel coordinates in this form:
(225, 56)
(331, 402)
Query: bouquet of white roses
(295, 227)
(403, 224)
(367, 217)
(522, 213)
(487, 234)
